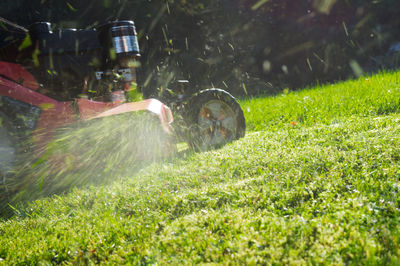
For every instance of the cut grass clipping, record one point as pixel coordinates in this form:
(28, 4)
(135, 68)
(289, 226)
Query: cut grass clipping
(316, 180)
(87, 153)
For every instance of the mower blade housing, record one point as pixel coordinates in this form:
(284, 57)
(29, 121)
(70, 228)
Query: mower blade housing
(91, 109)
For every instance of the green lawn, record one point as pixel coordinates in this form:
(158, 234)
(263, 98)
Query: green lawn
(315, 180)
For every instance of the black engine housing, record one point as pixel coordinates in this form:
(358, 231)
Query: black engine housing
(64, 60)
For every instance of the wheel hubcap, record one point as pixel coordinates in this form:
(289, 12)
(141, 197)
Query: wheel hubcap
(217, 124)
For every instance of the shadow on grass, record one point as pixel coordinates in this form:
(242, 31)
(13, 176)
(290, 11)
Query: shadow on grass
(95, 152)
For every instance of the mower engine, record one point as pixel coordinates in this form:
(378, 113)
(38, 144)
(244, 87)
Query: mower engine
(91, 62)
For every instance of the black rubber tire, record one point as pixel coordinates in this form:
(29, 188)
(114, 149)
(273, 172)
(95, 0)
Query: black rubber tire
(9, 147)
(205, 131)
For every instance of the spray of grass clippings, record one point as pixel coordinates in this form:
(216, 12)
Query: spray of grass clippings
(93, 152)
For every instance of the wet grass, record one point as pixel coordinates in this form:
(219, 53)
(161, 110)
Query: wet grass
(315, 180)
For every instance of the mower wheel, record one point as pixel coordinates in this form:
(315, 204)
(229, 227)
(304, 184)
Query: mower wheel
(8, 147)
(214, 118)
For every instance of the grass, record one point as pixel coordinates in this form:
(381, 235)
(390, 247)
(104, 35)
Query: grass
(315, 180)
(368, 96)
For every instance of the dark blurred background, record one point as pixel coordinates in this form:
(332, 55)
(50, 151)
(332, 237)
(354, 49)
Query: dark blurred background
(245, 46)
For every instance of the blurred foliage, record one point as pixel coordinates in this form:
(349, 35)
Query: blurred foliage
(244, 46)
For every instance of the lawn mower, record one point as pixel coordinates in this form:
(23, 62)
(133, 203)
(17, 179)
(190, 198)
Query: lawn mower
(50, 78)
